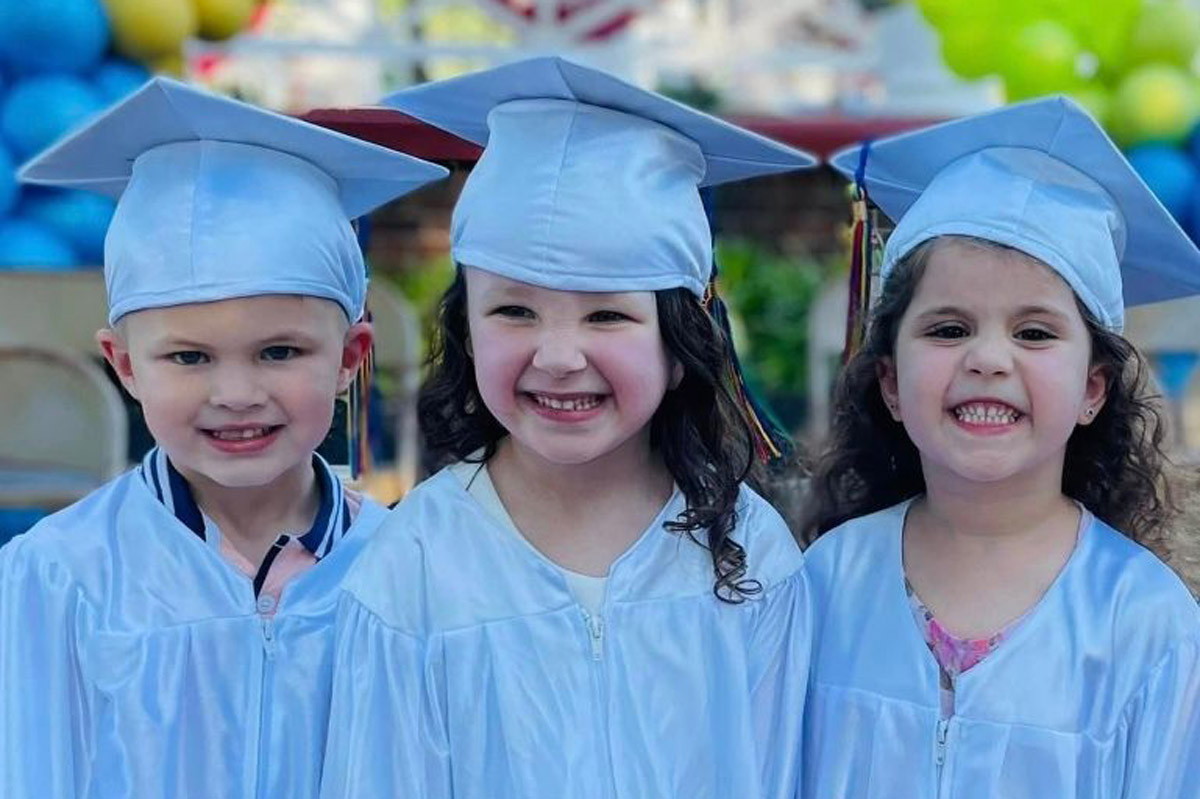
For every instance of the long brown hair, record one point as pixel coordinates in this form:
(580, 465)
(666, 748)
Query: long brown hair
(1114, 466)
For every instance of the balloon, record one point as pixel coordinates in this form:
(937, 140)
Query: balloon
(117, 78)
(1102, 27)
(52, 35)
(41, 108)
(1096, 100)
(1154, 103)
(27, 244)
(79, 217)
(1169, 173)
(1166, 32)
(1041, 59)
(9, 189)
(969, 48)
(147, 29)
(220, 19)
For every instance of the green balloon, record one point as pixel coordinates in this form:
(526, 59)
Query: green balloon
(970, 50)
(1042, 58)
(1097, 100)
(1154, 103)
(1166, 32)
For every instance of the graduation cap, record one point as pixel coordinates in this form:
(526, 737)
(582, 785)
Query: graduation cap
(219, 199)
(1041, 177)
(587, 183)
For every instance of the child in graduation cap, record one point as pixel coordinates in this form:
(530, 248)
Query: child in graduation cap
(169, 635)
(990, 624)
(587, 602)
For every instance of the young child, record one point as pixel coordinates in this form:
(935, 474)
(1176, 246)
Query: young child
(588, 603)
(984, 630)
(170, 635)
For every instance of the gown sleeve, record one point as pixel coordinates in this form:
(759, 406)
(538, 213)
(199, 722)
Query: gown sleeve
(779, 660)
(1163, 754)
(386, 726)
(44, 706)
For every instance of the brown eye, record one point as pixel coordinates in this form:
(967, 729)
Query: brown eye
(951, 330)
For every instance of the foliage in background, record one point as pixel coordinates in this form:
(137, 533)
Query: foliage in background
(423, 286)
(770, 295)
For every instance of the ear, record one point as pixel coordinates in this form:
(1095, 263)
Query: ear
(1094, 395)
(676, 374)
(116, 352)
(355, 347)
(885, 371)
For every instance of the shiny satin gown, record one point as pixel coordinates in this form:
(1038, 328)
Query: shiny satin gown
(134, 662)
(1095, 696)
(465, 667)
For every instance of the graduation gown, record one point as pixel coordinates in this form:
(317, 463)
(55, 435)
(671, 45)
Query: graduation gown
(1096, 695)
(135, 663)
(465, 667)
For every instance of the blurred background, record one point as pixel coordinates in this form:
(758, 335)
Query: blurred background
(818, 74)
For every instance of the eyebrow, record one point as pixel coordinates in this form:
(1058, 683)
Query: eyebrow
(1021, 312)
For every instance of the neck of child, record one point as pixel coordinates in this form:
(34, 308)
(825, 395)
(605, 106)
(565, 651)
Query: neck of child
(251, 518)
(632, 469)
(582, 516)
(992, 511)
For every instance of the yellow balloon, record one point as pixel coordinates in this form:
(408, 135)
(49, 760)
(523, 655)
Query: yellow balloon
(147, 29)
(1155, 103)
(172, 64)
(220, 19)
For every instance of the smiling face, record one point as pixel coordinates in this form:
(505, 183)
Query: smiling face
(992, 367)
(241, 391)
(572, 376)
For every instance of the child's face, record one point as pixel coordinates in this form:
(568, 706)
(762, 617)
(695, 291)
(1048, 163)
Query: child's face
(241, 391)
(573, 376)
(992, 368)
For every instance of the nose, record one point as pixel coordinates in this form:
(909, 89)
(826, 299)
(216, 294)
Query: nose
(559, 353)
(990, 354)
(236, 388)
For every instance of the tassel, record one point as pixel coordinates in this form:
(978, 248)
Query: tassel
(864, 245)
(771, 442)
(358, 433)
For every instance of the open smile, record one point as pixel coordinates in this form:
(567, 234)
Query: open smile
(561, 407)
(242, 439)
(996, 415)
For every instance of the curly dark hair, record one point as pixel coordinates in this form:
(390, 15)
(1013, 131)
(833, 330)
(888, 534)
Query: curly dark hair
(699, 429)
(1114, 466)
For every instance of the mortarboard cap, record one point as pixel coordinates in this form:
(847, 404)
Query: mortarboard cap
(587, 183)
(219, 199)
(1041, 177)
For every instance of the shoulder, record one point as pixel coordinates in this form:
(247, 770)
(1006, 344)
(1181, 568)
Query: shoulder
(856, 543)
(419, 536)
(772, 554)
(76, 544)
(1150, 608)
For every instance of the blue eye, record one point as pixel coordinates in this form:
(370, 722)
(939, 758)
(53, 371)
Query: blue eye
(279, 352)
(187, 357)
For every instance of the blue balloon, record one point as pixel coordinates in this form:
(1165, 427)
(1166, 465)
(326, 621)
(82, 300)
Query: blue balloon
(10, 190)
(42, 108)
(14, 521)
(25, 244)
(1170, 174)
(117, 78)
(52, 35)
(80, 217)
